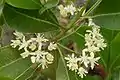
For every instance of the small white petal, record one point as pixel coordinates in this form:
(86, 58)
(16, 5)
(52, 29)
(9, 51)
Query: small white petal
(93, 60)
(32, 46)
(25, 54)
(63, 12)
(70, 9)
(33, 59)
(49, 57)
(52, 46)
(72, 62)
(84, 58)
(82, 72)
(15, 43)
(24, 44)
(18, 35)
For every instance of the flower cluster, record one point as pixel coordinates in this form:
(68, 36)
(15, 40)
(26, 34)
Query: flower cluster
(94, 43)
(65, 10)
(33, 47)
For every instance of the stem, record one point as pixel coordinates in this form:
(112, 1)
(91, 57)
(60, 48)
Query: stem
(93, 7)
(66, 48)
(70, 33)
(76, 76)
(76, 19)
(69, 26)
(108, 14)
(79, 34)
(85, 16)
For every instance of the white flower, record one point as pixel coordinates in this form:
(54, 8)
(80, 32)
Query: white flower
(43, 62)
(84, 58)
(90, 22)
(96, 32)
(72, 62)
(52, 46)
(70, 9)
(24, 44)
(33, 47)
(82, 72)
(40, 38)
(100, 43)
(32, 44)
(18, 35)
(49, 57)
(93, 48)
(93, 60)
(94, 40)
(15, 43)
(88, 40)
(42, 57)
(63, 12)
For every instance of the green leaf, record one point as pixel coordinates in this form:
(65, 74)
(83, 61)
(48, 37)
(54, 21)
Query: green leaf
(4, 78)
(105, 54)
(25, 23)
(110, 56)
(110, 17)
(116, 75)
(13, 66)
(62, 72)
(108, 6)
(50, 16)
(109, 21)
(48, 5)
(25, 4)
(115, 53)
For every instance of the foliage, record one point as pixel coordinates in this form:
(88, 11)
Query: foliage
(42, 16)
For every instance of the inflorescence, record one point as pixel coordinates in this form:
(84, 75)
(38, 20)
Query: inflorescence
(33, 48)
(94, 43)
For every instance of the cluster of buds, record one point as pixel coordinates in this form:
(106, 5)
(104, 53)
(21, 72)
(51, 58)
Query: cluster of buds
(65, 10)
(70, 8)
(33, 48)
(94, 43)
